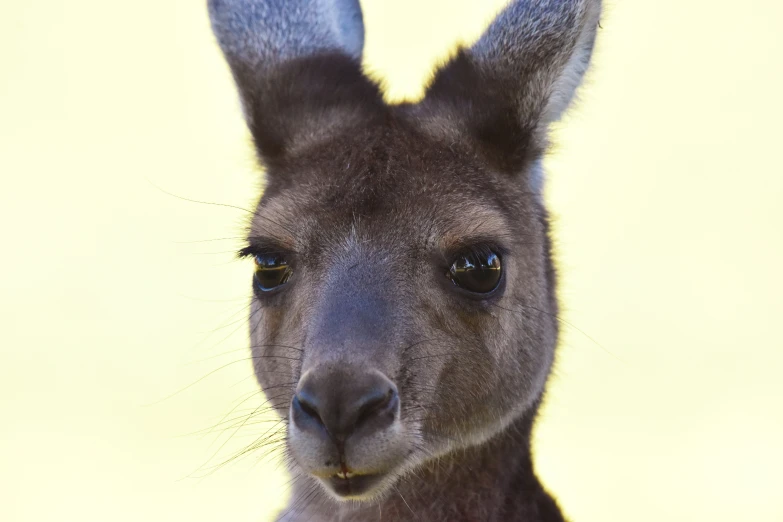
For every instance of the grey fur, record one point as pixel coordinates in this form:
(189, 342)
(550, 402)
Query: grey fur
(266, 33)
(546, 45)
(371, 203)
(261, 35)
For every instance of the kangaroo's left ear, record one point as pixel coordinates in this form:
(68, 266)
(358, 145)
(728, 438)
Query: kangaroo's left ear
(500, 95)
(297, 64)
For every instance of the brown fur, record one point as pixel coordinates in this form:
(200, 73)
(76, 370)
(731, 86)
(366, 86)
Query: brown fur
(370, 203)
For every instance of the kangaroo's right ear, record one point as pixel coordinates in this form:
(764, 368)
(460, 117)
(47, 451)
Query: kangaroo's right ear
(297, 65)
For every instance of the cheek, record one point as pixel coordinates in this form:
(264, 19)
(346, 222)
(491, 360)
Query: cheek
(517, 356)
(275, 351)
(450, 371)
(525, 333)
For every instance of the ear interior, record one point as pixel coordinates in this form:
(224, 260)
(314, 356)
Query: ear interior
(464, 104)
(297, 66)
(500, 96)
(306, 101)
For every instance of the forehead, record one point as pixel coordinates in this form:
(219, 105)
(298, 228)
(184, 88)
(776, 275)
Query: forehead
(391, 185)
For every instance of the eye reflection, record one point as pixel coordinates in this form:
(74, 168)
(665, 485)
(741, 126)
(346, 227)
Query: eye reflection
(479, 273)
(272, 272)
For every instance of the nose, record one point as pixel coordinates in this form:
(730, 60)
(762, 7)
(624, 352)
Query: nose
(345, 403)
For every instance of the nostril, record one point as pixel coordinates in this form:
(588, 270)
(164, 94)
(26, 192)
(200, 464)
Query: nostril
(375, 404)
(302, 402)
(310, 410)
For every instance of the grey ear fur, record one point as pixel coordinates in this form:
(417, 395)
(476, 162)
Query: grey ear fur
(520, 76)
(297, 65)
(267, 33)
(546, 45)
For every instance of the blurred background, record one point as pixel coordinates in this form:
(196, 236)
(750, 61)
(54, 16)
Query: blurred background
(122, 310)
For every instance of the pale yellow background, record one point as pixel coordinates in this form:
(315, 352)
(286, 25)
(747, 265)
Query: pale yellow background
(667, 190)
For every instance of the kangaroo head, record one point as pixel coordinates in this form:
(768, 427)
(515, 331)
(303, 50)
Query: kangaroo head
(404, 302)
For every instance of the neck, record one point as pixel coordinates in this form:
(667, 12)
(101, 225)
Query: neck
(491, 482)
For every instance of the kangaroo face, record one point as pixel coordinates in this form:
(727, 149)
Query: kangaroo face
(403, 304)
(403, 294)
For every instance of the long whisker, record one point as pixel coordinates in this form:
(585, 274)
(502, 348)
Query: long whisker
(224, 205)
(405, 502)
(233, 238)
(561, 320)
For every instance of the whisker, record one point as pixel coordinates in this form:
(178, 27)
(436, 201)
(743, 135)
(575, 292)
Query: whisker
(405, 502)
(244, 359)
(224, 205)
(563, 321)
(209, 240)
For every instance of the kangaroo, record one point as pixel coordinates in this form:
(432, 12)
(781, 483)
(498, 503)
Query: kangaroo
(404, 320)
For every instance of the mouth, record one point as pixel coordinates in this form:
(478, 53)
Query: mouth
(353, 486)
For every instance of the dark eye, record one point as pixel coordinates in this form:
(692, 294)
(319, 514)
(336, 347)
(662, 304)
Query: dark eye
(272, 271)
(479, 273)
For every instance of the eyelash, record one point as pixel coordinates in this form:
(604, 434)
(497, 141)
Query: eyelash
(253, 250)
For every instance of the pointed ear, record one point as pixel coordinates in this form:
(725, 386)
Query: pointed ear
(501, 94)
(297, 65)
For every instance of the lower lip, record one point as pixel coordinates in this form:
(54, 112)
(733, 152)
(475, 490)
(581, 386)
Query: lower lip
(356, 486)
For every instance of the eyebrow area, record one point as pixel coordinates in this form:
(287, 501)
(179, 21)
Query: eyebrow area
(475, 226)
